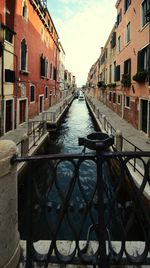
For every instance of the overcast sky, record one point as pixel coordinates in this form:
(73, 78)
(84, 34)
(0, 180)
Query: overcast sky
(83, 27)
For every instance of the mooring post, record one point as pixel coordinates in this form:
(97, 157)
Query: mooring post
(118, 140)
(9, 236)
(25, 145)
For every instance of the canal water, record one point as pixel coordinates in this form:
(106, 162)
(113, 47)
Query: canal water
(48, 196)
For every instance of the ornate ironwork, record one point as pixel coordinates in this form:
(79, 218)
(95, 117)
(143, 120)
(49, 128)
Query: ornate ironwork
(107, 225)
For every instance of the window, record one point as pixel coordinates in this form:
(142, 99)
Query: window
(49, 23)
(32, 93)
(117, 73)
(114, 97)
(8, 36)
(23, 55)
(119, 17)
(119, 43)
(113, 40)
(9, 76)
(127, 102)
(46, 92)
(127, 67)
(145, 8)
(119, 99)
(127, 3)
(46, 68)
(42, 66)
(142, 59)
(54, 73)
(24, 10)
(51, 70)
(109, 96)
(109, 73)
(106, 75)
(114, 70)
(128, 33)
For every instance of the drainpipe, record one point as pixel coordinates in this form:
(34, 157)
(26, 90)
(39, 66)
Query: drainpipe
(2, 89)
(123, 102)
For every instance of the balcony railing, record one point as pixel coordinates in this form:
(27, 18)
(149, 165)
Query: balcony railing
(113, 217)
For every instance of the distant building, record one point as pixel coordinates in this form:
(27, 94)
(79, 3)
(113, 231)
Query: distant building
(61, 71)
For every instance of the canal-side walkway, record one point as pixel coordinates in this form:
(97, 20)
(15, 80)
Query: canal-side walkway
(129, 133)
(33, 129)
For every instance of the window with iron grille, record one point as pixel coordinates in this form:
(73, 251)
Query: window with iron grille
(23, 55)
(32, 93)
(145, 8)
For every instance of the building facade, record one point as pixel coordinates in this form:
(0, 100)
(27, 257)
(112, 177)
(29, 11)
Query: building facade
(7, 67)
(37, 51)
(62, 71)
(124, 71)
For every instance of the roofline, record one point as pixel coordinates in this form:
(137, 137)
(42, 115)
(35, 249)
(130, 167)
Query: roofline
(62, 47)
(117, 3)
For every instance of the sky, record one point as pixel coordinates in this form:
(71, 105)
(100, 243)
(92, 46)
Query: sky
(83, 27)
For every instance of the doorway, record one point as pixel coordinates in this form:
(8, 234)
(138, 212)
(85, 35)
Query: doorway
(22, 111)
(9, 115)
(41, 104)
(144, 115)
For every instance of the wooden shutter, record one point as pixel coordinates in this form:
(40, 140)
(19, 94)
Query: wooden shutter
(117, 73)
(9, 76)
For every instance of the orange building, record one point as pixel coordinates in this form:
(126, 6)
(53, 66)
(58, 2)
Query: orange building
(124, 64)
(132, 62)
(37, 51)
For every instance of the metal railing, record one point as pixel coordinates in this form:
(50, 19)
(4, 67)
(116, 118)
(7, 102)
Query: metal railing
(112, 201)
(110, 130)
(52, 116)
(35, 131)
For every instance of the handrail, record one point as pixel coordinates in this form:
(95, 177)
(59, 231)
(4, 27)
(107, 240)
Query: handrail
(111, 130)
(36, 129)
(91, 211)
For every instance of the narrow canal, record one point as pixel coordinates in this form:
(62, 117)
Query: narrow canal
(77, 123)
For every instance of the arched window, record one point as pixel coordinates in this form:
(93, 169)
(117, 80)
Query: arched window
(24, 10)
(23, 55)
